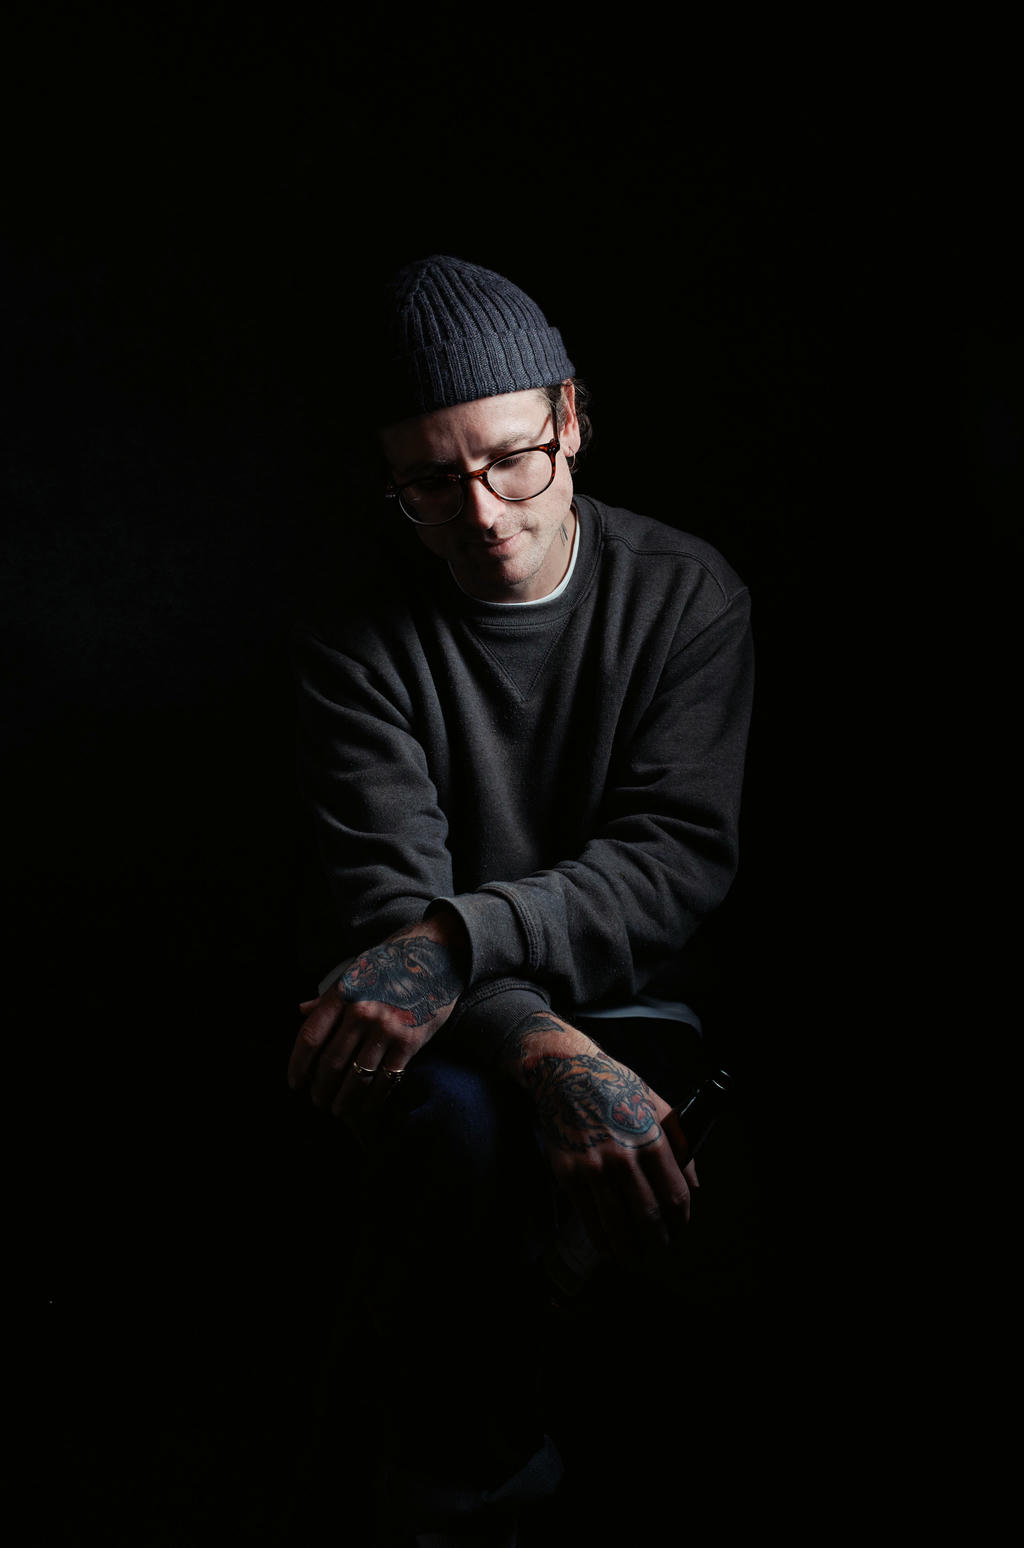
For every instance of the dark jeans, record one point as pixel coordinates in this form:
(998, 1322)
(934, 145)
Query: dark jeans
(457, 1209)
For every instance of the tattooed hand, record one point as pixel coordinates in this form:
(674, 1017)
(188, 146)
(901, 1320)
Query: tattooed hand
(605, 1136)
(360, 1034)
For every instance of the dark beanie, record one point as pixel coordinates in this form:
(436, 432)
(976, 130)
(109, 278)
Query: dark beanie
(455, 332)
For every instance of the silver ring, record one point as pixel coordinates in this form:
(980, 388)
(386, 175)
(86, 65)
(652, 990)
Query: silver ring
(395, 1075)
(362, 1069)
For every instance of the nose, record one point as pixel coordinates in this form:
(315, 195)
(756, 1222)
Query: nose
(480, 508)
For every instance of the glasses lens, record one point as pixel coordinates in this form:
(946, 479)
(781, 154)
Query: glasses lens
(521, 476)
(431, 500)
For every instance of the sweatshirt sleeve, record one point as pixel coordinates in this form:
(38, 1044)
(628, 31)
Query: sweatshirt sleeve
(380, 831)
(594, 929)
(386, 857)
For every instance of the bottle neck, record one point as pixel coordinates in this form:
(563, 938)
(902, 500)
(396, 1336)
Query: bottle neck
(697, 1116)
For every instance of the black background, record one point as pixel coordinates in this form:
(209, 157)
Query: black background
(785, 284)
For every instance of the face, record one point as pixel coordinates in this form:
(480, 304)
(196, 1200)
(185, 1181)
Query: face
(498, 551)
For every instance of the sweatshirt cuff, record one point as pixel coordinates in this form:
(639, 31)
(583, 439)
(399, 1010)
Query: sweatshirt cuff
(497, 940)
(489, 1013)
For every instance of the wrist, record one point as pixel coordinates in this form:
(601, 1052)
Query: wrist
(442, 924)
(543, 1036)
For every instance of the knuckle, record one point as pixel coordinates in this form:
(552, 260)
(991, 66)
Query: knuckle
(594, 1173)
(367, 1014)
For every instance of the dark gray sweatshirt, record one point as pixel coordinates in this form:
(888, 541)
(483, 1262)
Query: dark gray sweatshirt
(567, 776)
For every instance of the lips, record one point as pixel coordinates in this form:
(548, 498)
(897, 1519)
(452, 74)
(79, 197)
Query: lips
(501, 546)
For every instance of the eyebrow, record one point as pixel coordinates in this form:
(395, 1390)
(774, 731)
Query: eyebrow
(497, 449)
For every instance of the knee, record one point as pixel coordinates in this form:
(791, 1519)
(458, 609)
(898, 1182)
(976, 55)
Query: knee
(450, 1118)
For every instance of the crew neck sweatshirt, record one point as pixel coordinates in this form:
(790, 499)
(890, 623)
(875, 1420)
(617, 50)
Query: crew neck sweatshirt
(567, 777)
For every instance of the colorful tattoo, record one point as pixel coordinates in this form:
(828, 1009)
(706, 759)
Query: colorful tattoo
(584, 1098)
(413, 975)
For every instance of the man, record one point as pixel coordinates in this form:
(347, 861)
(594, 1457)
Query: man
(523, 747)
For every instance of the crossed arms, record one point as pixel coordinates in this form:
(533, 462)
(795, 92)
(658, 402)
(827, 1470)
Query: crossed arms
(411, 760)
(602, 1127)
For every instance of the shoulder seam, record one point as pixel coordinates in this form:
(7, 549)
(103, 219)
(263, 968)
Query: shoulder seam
(678, 553)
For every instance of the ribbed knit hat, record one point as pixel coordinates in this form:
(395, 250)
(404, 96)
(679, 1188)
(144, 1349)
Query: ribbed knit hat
(455, 332)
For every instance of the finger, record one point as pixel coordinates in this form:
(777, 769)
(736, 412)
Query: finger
(335, 1067)
(374, 1067)
(585, 1201)
(617, 1225)
(680, 1148)
(349, 1065)
(669, 1182)
(313, 1034)
(645, 1221)
(358, 1080)
(577, 1251)
(389, 1076)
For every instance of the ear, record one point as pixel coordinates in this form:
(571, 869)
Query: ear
(569, 435)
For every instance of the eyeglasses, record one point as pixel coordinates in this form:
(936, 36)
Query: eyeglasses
(520, 475)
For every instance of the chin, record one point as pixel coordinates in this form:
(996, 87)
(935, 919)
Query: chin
(496, 585)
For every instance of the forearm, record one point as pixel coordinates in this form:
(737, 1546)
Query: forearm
(596, 929)
(379, 832)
